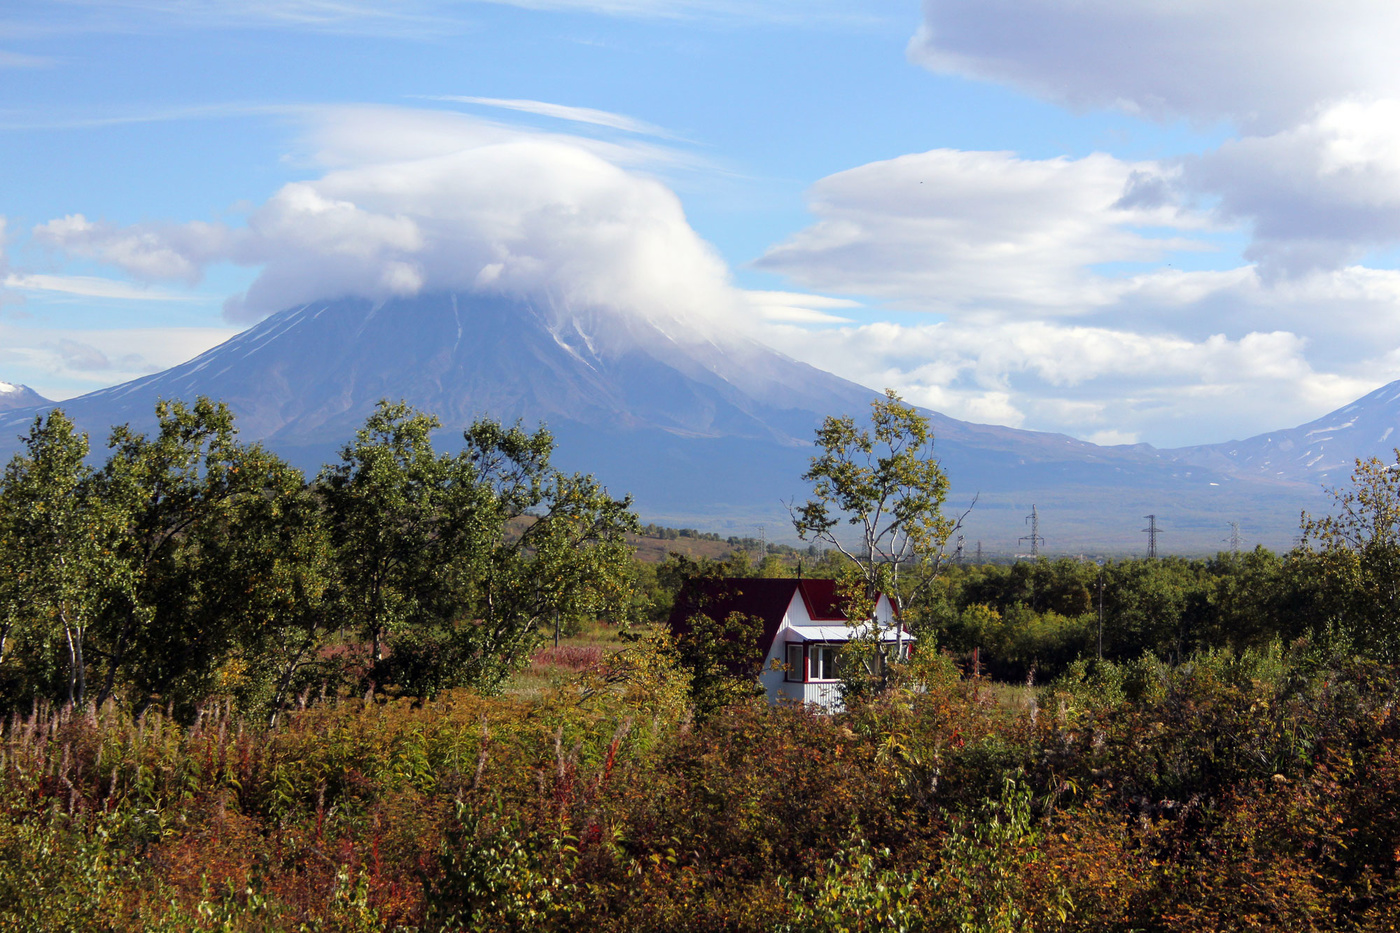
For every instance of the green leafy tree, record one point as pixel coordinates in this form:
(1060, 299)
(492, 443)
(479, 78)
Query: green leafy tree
(877, 499)
(399, 513)
(57, 537)
(553, 550)
(459, 560)
(170, 621)
(266, 577)
(1355, 554)
(722, 658)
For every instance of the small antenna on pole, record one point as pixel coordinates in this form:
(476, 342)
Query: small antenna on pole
(1152, 532)
(1034, 537)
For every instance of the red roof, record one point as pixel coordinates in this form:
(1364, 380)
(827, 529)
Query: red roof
(754, 596)
(823, 605)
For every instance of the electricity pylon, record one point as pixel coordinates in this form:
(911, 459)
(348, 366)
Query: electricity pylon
(1034, 537)
(1152, 532)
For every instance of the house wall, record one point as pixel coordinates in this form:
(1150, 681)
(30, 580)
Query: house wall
(824, 693)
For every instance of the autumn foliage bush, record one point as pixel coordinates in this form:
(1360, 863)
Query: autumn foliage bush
(1252, 791)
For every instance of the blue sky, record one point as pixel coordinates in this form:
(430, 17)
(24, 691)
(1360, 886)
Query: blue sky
(1116, 220)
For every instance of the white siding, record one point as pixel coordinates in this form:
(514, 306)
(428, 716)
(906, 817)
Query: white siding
(824, 693)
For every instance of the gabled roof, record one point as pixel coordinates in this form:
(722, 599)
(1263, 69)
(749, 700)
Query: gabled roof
(764, 598)
(718, 599)
(823, 605)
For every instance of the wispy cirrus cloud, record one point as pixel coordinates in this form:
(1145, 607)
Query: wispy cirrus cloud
(89, 286)
(425, 20)
(799, 307)
(22, 60)
(127, 117)
(616, 121)
(59, 363)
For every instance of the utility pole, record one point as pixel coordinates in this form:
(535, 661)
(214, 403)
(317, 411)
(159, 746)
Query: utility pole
(1234, 538)
(1100, 563)
(1034, 537)
(1152, 532)
(762, 544)
(979, 553)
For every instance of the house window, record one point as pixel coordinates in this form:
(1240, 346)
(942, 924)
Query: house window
(824, 661)
(796, 668)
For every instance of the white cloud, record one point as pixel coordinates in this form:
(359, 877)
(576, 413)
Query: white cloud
(60, 363)
(149, 252)
(949, 229)
(616, 121)
(1314, 88)
(535, 215)
(1317, 195)
(88, 286)
(989, 237)
(798, 308)
(6, 296)
(1085, 381)
(1036, 333)
(1263, 64)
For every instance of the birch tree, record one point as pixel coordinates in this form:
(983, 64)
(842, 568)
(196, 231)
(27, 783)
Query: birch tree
(58, 541)
(877, 499)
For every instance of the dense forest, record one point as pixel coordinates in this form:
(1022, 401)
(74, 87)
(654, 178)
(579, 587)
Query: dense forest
(431, 691)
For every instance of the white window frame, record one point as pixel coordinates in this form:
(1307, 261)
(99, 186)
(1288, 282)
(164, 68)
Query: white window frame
(796, 671)
(816, 654)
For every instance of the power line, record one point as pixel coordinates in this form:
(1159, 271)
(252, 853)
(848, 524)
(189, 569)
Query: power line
(1152, 532)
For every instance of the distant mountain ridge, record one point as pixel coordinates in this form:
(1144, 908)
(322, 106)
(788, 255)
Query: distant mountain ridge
(706, 430)
(1322, 451)
(13, 396)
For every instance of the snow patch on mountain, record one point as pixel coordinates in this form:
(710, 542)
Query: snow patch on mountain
(14, 396)
(1322, 451)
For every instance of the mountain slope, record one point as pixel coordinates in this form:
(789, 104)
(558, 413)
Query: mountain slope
(14, 397)
(1321, 451)
(714, 430)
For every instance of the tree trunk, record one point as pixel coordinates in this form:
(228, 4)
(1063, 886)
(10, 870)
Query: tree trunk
(75, 659)
(114, 661)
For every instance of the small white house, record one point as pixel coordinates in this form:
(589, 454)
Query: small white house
(803, 630)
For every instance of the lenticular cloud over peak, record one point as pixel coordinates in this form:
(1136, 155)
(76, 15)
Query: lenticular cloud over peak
(531, 216)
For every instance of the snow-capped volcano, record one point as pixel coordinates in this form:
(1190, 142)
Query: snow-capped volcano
(702, 428)
(309, 375)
